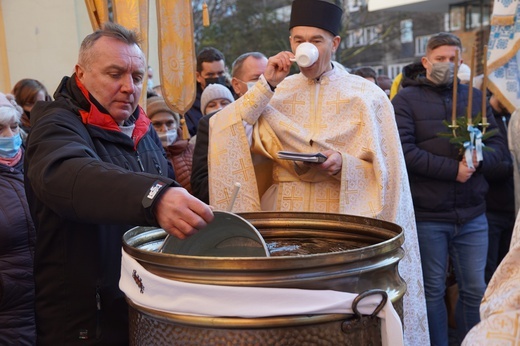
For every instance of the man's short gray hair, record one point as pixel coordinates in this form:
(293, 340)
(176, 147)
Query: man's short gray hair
(236, 67)
(108, 29)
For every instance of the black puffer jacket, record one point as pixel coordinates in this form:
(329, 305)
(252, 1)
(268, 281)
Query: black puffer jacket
(432, 161)
(17, 239)
(501, 194)
(83, 200)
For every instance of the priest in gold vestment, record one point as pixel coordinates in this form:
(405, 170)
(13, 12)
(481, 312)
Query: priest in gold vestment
(322, 109)
(500, 307)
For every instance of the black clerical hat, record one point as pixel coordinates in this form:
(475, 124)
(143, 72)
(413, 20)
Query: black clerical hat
(316, 13)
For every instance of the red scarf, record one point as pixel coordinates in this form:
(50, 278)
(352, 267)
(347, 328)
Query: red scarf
(97, 118)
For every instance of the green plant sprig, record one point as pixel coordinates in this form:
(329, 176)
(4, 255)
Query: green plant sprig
(459, 135)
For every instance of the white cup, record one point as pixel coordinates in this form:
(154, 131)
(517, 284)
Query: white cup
(306, 54)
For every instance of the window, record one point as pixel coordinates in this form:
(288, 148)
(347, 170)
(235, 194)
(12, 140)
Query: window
(379, 69)
(420, 45)
(355, 5)
(373, 33)
(476, 16)
(455, 18)
(468, 15)
(355, 38)
(363, 36)
(406, 31)
(394, 70)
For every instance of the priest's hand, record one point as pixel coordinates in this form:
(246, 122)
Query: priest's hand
(278, 67)
(333, 164)
(180, 214)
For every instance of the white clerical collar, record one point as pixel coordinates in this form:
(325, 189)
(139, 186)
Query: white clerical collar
(325, 74)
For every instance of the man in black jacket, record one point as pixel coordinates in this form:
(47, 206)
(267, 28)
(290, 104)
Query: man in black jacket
(447, 190)
(211, 69)
(94, 169)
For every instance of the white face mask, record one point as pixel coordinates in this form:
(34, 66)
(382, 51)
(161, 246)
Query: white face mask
(249, 84)
(168, 138)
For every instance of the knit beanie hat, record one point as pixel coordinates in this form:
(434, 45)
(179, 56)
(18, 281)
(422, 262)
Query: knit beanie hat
(213, 92)
(156, 104)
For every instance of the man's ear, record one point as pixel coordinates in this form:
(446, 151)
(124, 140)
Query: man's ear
(335, 43)
(79, 71)
(235, 83)
(424, 61)
(199, 77)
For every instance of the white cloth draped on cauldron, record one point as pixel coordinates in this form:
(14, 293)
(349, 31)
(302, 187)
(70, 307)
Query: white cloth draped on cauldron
(151, 291)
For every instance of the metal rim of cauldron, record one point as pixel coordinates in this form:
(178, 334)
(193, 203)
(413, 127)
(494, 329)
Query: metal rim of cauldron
(271, 271)
(317, 220)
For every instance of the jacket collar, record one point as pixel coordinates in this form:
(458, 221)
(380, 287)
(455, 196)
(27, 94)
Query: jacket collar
(97, 116)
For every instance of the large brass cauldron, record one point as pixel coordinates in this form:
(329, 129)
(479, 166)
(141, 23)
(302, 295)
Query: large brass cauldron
(353, 254)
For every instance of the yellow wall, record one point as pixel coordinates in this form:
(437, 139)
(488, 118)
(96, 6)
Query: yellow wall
(4, 63)
(41, 39)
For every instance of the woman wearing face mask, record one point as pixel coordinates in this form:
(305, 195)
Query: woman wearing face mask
(179, 151)
(17, 234)
(27, 92)
(213, 98)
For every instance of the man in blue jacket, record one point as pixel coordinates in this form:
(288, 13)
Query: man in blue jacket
(448, 193)
(95, 168)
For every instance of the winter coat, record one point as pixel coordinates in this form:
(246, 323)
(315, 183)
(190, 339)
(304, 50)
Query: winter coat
(199, 173)
(432, 161)
(87, 184)
(501, 195)
(17, 238)
(180, 155)
(194, 114)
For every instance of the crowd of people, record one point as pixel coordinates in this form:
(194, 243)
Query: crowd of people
(81, 168)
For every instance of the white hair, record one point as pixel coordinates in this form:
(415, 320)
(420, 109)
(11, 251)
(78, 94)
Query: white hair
(9, 115)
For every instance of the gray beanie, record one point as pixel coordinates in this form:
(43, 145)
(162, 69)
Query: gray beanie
(213, 92)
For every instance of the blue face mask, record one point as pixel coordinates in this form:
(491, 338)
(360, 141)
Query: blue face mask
(9, 146)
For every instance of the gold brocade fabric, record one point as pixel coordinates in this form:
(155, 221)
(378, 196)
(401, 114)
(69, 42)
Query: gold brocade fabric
(500, 307)
(176, 53)
(98, 12)
(341, 112)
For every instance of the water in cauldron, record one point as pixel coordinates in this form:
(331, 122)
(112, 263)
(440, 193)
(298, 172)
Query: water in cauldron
(308, 246)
